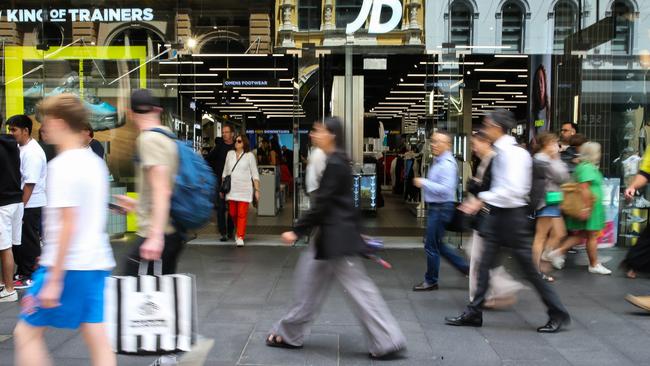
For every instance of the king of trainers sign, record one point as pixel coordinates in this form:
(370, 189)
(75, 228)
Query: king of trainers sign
(77, 15)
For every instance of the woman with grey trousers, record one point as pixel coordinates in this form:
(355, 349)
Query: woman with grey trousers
(334, 253)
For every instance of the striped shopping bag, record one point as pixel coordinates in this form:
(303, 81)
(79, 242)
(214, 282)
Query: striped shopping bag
(148, 315)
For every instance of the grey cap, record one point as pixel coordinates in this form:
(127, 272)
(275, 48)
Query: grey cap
(504, 118)
(142, 101)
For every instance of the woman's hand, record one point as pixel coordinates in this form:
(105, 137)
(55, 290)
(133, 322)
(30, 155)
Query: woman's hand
(585, 213)
(629, 193)
(289, 237)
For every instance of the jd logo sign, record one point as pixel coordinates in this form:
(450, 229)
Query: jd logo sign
(375, 26)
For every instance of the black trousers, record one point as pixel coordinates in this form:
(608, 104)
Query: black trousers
(26, 254)
(224, 222)
(514, 229)
(174, 244)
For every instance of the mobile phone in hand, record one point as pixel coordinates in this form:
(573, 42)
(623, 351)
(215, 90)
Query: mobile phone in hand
(117, 208)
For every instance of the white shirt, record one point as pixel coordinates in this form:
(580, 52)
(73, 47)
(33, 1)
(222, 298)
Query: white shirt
(241, 178)
(315, 168)
(511, 175)
(33, 168)
(79, 179)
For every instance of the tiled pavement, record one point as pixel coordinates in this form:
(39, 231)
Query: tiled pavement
(242, 291)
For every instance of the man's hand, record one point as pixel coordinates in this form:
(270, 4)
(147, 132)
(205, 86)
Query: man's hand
(471, 206)
(289, 237)
(629, 193)
(151, 249)
(418, 182)
(51, 294)
(127, 203)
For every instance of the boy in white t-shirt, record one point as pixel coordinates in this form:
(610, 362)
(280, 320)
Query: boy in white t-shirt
(33, 168)
(68, 289)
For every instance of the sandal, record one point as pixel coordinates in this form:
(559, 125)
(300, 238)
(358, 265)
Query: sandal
(274, 340)
(547, 278)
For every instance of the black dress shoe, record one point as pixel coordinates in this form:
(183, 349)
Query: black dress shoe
(466, 319)
(554, 325)
(424, 286)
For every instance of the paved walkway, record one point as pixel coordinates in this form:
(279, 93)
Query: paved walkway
(243, 291)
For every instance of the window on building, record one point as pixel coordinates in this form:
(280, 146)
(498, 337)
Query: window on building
(512, 29)
(309, 13)
(346, 12)
(566, 23)
(622, 14)
(461, 23)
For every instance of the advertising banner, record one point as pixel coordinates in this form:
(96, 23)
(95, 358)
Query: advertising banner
(539, 112)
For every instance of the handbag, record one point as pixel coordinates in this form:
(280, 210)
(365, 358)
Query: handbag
(460, 222)
(151, 315)
(573, 204)
(226, 183)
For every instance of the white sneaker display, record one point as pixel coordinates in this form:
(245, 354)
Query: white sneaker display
(6, 296)
(641, 202)
(599, 269)
(240, 242)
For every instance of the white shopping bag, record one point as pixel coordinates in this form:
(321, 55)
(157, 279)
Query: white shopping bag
(151, 314)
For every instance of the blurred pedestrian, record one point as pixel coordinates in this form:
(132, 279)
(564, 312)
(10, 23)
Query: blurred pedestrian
(217, 160)
(91, 143)
(334, 252)
(502, 288)
(33, 167)
(592, 221)
(49, 149)
(11, 213)
(507, 205)
(68, 289)
(156, 168)
(244, 184)
(440, 195)
(549, 173)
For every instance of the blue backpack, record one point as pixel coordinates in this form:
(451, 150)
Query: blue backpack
(195, 188)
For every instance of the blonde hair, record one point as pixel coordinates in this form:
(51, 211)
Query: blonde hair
(590, 152)
(67, 107)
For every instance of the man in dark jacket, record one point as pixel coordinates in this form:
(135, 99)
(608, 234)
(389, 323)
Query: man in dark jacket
(217, 160)
(11, 212)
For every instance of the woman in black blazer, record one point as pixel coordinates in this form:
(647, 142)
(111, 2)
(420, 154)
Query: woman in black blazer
(334, 253)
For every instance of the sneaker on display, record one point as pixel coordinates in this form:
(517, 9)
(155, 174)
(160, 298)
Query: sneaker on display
(641, 202)
(599, 269)
(6, 296)
(635, 219)
(22, 283)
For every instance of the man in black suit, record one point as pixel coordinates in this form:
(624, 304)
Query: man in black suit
(217, 160)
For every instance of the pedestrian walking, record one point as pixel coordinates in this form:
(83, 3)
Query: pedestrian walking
(217, 160)
(241, 167)
(68, 289)
(11, 213)
(33, 167)
(156, 168)
(440, 195)
(592, 222)
(549, 173)
(507, 205)
(334, 253)
(502, 288)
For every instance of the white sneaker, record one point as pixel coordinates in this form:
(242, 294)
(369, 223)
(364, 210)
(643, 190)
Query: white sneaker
(6, 296)
(557, 259)
(599, 269)
(240, 242)
(545, 256)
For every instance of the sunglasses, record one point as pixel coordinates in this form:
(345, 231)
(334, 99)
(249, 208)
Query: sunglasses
(238, 141)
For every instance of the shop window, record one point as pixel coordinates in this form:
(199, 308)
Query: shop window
(346, 12)
(461, 23)
(50, 34)
(566, 23)
(512, 29)
(309, 12)
(622, 14)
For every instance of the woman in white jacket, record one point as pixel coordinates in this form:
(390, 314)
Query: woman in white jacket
(241, 166)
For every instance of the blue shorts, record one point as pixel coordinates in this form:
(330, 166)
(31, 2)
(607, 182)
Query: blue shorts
(549, 211)
(82, 300)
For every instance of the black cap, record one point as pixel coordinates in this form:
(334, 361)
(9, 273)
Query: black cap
(504, 118)
(142, 101)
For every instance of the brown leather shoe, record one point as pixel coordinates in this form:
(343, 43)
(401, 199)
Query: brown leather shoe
(642, 302)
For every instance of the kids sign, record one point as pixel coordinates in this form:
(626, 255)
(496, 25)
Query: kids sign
(77, 15)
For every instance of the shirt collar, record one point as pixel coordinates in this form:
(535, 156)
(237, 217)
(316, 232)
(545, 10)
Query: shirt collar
(504, 141)
(445, 156)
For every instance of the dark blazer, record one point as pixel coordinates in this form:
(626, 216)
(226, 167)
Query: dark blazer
(333, 215)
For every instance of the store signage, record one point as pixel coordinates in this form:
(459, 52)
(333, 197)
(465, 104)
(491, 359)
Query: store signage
(78, 15)
(375, 25)
(231, 83)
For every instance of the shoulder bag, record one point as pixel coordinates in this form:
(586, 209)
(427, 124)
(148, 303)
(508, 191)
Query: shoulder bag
(226, 184)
